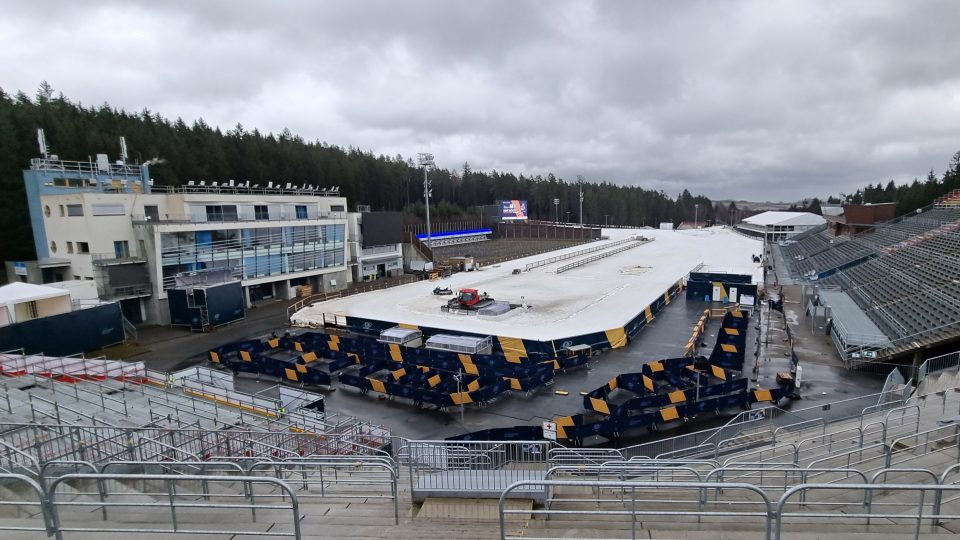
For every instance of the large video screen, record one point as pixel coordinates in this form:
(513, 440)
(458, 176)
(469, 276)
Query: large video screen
(381, 228)
(513, 209)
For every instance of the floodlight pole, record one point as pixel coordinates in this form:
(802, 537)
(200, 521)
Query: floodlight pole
(696, 215)
(426, 160)
(581, 203)
(556, 206)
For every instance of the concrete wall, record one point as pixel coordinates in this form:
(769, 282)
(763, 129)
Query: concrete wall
(34, 272)
(865, 214)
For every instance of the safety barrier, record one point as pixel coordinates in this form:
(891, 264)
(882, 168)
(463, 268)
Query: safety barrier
(918, 514)
(938, 439)
(226, 497)
(628, 506)
(470, 467)
(638, 241)
(796, 502)
(32, 445)
(938, 364)
(342, 478)
(779, 478)
(582, 456)
(575, 254)
(37, 506)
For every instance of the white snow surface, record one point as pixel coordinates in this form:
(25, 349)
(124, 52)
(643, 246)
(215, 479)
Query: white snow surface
(599, 296)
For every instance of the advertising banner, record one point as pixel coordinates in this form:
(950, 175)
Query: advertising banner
(513, 209)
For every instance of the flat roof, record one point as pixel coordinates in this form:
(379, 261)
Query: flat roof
(598, 296)
(399, 333)
(17, 292)
(785, 218)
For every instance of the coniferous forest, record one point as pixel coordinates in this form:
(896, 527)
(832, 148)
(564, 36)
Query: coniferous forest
(198, 151)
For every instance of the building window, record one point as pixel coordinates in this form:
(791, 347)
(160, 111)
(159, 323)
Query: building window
(261, 212)
(46, 210)
(216, 212)
(151, 213)
(53, 247)
(121, 249)
(337, 208)
(301, 211)
(108, 209)
(62, 212)
(32, 310)
(74, 210)
(69, 247)
(83, 247)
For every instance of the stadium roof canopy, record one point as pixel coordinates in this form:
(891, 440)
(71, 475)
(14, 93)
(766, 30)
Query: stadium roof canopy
(785, 218)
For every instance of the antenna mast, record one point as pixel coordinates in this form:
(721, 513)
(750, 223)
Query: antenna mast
(42, 141)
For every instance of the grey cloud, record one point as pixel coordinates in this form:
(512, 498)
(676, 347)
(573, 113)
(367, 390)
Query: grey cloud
(751, 99)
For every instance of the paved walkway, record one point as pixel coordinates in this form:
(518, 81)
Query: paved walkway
(168, 348)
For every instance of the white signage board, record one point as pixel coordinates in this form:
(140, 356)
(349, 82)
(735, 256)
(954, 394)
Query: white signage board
(550, 430)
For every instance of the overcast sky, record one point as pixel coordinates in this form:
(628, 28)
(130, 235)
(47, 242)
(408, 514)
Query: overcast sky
(757, 99)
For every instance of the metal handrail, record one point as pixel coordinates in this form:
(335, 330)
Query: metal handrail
(171, 481)
(897, 444)
(354, 467)
(779, 512)
(671, 462)
(66, 462)
(49, 524)
(578, 253)
(786, 428)
(618, 469)
(202, 466)
(876, 446)
(740, 457)
(10, 449)
(692, 450)
(633, 510)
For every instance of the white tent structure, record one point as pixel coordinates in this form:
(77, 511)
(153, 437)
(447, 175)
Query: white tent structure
(20, 302)
(776, 226)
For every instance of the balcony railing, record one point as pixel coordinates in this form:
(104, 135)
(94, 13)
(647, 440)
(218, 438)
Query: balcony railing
(244, 188)
(126, 291)
(112, 259)
(140, 219)
(84, 167)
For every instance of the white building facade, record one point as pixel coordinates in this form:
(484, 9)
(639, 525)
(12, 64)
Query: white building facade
(777, 226)
(108, 223)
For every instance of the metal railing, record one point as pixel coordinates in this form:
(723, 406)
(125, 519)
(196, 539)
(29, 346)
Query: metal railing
(917, 512)
(244, 188)
(856, 502)
(36, 506)
(575, 254)
(938, 364)
(351, 477)
(471, 466)
(229, 498)
(630, 507)
(86, 168)
(638, 241)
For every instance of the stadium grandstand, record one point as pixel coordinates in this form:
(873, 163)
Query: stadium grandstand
(95, 447)
(893, 289)
(110, 449)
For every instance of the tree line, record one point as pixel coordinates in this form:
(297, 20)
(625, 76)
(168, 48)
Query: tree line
(911, 195)
(199, 151)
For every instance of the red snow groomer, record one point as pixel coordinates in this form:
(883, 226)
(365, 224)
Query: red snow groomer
(470, 299)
